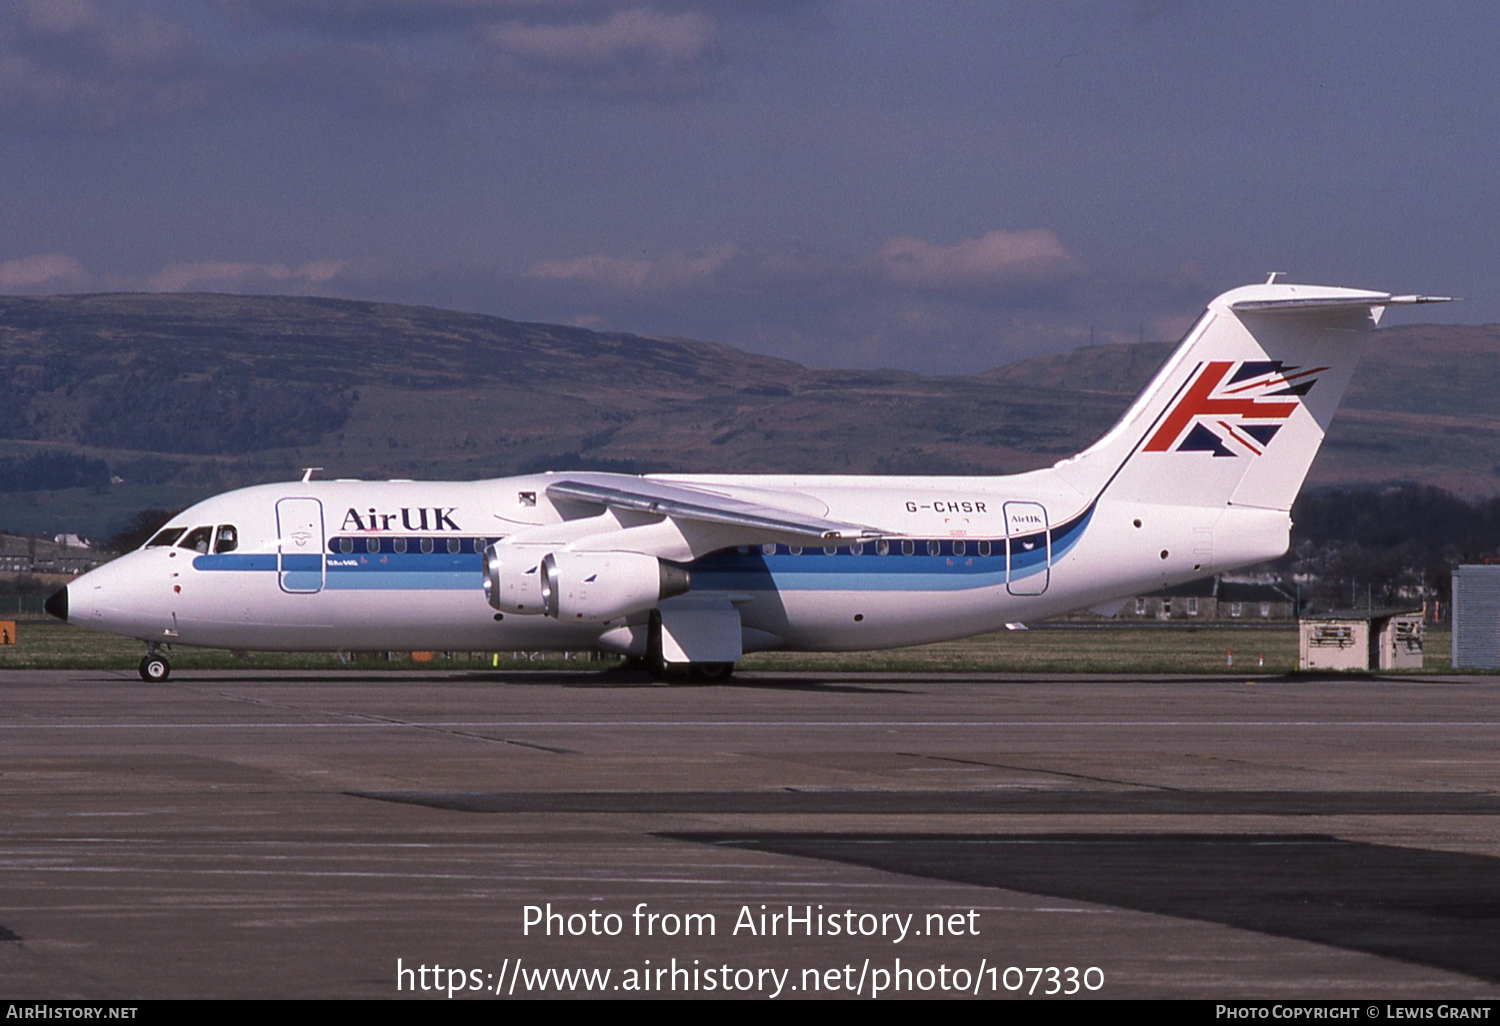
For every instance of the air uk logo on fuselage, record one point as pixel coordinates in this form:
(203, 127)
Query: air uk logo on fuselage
(1230, 414)
(423, 518)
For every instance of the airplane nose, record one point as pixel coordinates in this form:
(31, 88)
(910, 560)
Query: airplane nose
(57, 603)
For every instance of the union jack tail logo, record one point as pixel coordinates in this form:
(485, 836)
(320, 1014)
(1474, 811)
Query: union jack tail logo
(1228, 414)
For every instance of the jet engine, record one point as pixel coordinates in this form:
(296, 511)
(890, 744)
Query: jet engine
(513, 577)
(573, 586)
(605, 585)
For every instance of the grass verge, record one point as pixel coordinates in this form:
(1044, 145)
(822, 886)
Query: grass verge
(1075, 649)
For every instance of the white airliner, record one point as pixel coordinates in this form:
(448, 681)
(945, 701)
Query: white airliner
(688, 572)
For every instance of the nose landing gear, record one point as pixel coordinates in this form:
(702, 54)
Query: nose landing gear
(154, 668)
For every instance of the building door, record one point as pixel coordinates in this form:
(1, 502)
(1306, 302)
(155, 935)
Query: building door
(1028, 548)
(299, 550)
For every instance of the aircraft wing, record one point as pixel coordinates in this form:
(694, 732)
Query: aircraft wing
(685, 502)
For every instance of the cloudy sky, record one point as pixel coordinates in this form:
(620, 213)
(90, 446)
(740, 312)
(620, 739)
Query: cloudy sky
(935, 186)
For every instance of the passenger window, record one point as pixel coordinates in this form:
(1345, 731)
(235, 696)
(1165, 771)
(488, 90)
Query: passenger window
(197, 539)
(882, 548)
(768, 549)
(166, 536)
(455, 544)
(399, 544)
(425, 545)
(346, 544)
(228, 539)
(934, 548)
(372, 544)
(908, 547)
(795, 550)
(857, 549)
(984, 548)
(830, 550)
(959, 548)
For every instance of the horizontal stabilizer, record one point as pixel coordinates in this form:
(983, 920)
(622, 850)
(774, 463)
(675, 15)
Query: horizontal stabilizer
(1331, 303)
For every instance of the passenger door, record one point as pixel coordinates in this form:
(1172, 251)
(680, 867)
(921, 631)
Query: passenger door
(1028, 548)
(299, 550)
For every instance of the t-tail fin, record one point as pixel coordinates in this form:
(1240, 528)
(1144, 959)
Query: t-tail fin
(1237, 413)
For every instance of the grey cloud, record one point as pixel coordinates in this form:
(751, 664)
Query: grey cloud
(42, 272)
(42, 19)
(80, 64)
(229, 276)
(1015, 265)
(478, 48)
(1001, 266)
(816, 306)
(69, 65)
(624, 36)
(633, 50)
(911, 303)
(45, 273)
(406, 16)
(363, 17)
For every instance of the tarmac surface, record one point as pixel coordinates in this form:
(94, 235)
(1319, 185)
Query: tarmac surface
(239, 834)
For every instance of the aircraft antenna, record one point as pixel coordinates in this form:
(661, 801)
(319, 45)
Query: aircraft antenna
(307, 472)
(1271, 278)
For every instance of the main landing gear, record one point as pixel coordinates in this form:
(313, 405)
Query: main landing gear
(660, 669)
(154, 668)
(707, 672)
(677, 673)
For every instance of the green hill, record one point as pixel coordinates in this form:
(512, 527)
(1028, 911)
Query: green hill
(111, 403)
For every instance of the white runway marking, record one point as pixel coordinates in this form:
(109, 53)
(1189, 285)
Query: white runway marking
(778, 724)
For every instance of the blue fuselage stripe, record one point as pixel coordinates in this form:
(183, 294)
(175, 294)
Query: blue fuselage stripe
(743, 569)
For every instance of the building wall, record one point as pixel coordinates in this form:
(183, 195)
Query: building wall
(1476, 617)
(1333, 645)
(1401, 643)
(1199, 607)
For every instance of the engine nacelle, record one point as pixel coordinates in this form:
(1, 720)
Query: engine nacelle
(513, 578)
(605, 585)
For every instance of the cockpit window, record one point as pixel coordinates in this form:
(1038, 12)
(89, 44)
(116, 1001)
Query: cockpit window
(228, 538)
(166, 536)
(197, 539)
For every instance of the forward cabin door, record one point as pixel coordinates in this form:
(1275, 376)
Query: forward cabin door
(1028, 548)
(299, 549)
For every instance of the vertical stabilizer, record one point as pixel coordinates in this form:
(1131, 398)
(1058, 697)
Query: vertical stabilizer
(1238, 411)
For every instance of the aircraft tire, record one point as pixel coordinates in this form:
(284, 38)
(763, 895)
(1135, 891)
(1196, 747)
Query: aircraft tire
(709, 673)
(154, 669)
(655, 664)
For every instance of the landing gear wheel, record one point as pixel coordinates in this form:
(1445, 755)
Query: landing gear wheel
(655, 664)
(704, 673)
(154, 669)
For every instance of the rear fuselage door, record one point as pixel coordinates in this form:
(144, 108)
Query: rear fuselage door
(1028, 548)
(299, 529)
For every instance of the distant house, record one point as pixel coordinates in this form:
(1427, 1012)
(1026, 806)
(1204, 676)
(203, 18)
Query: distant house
(1212, 598)
(33, 555)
